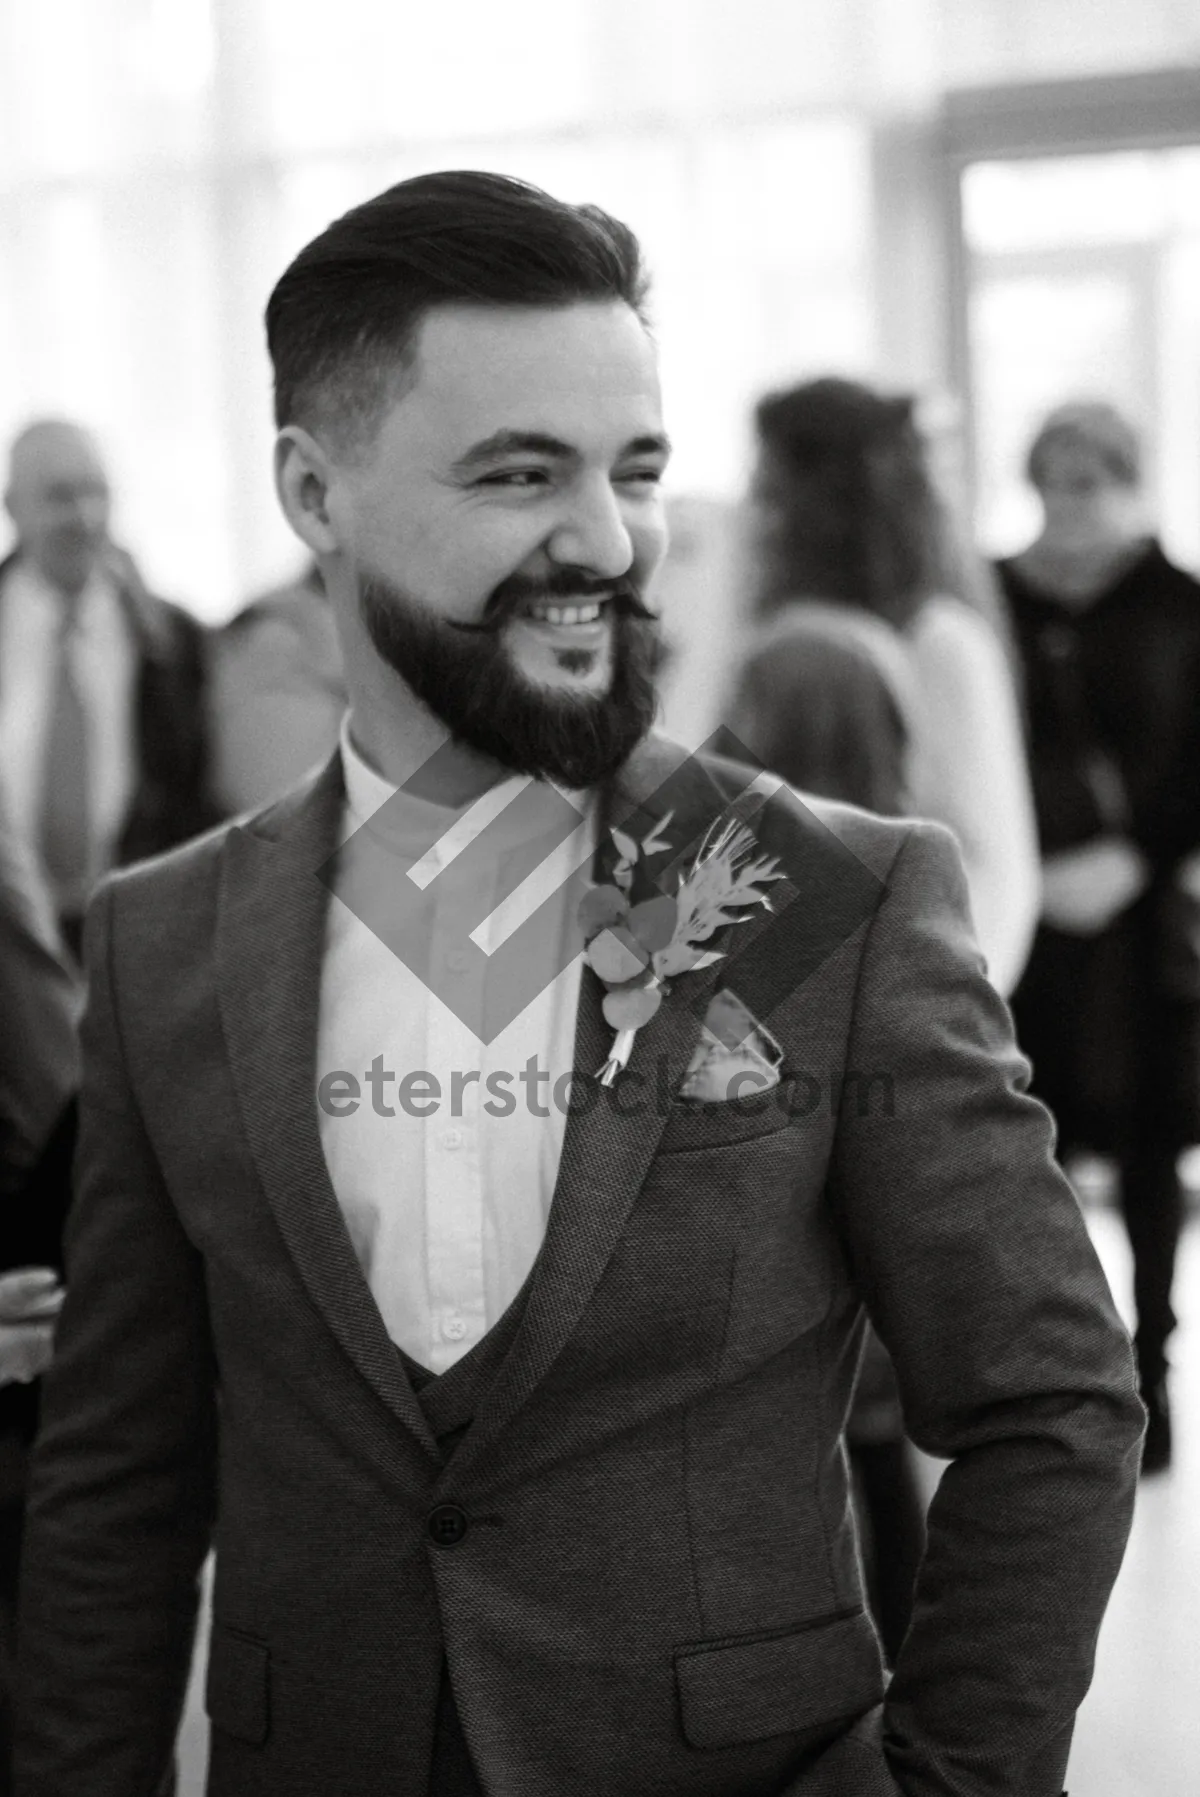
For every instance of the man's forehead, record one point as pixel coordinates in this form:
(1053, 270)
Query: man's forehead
(474, 360)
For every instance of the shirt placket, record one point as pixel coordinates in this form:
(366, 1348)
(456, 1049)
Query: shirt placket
(454, 1212)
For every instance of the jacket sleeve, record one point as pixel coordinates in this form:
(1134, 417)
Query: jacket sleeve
(978, 1272)
(122, 1482)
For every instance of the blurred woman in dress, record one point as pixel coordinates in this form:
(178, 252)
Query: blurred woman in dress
(847, 519)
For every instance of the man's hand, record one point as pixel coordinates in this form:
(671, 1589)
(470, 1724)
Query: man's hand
(30, 1300)
(1084, 889)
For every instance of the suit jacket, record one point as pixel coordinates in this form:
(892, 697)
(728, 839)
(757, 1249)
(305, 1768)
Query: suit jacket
(39, 1074)
(647, 1579)
(171, 799)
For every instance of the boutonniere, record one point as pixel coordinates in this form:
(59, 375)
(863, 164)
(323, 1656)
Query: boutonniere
(636, 950)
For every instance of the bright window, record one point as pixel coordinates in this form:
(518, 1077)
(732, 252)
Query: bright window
(1084, 282)
(160, 161)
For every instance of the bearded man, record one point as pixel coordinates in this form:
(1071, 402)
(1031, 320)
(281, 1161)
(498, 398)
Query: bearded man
(515, 1415)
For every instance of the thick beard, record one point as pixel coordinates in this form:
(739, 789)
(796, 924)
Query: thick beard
(467, 678)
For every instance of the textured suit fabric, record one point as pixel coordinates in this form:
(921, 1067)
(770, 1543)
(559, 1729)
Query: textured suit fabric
(449, 1403)
(658, 1589)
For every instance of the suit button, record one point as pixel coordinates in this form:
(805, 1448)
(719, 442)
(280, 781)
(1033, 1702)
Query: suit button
(448, 1525)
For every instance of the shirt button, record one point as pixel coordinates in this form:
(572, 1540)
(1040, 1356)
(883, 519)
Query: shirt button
(454, 1328)
(453, 1138)
(447, 1525)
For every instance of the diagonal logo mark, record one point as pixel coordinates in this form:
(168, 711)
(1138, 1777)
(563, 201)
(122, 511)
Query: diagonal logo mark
(483, 879)
(505, 881)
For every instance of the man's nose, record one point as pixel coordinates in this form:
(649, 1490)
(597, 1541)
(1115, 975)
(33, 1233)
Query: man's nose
(593, 534)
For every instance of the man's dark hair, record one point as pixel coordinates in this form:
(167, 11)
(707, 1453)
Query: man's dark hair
(343, 318)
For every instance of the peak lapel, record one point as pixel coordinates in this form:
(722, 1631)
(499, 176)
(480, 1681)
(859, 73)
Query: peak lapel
(270, 938)
(606, 1153)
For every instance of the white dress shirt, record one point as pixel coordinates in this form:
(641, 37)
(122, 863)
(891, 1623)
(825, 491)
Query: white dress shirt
(104, 664)
(447, 1210)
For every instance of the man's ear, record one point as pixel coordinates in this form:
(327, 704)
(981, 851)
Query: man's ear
(302, 476)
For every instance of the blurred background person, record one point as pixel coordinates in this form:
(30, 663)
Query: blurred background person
(276, 693)
(847, 516)
(103, 754)
(869, 681)
(39, 1070)
(1109, 1009)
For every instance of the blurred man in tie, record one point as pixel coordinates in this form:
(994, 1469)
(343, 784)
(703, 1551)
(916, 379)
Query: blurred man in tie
(103, 756)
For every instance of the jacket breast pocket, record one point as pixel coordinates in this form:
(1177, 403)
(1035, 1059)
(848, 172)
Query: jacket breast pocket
(237, 1690)
(693, 1124)
(745, 1689)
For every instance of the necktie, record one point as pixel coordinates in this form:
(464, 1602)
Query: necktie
(65, 820)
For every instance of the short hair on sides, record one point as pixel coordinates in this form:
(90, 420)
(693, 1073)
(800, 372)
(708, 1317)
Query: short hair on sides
(343, 318)
(1096, 427)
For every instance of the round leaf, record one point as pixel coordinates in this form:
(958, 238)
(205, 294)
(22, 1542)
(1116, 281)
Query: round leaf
(631, 1006)
(616, 956)
(653, 922)
(602, 906)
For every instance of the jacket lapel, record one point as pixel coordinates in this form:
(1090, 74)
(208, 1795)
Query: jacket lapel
(605, 1155)
(270, 938)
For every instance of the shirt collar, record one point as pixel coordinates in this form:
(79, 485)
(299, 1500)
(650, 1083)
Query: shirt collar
(415, 822)
(96, 601)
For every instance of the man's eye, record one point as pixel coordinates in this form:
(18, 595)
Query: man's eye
(642, 477)
(516, 477)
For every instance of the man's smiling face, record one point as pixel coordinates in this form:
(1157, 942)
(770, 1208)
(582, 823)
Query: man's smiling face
(515, 482)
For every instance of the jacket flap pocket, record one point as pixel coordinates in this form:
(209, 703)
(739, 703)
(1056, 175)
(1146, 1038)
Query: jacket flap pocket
(733, 1691)
(236, 1693)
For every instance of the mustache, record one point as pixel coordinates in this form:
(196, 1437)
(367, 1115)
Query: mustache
(519, 591)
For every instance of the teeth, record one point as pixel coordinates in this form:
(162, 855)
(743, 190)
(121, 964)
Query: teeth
(586, 613)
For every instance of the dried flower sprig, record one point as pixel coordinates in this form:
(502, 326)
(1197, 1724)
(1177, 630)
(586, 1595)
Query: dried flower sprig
(637, 949)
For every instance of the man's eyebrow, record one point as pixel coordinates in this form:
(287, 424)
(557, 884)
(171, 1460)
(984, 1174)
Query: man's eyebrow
(657, 443)
(510, 442)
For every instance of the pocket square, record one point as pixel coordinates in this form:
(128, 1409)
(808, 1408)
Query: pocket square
(735, 1050)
